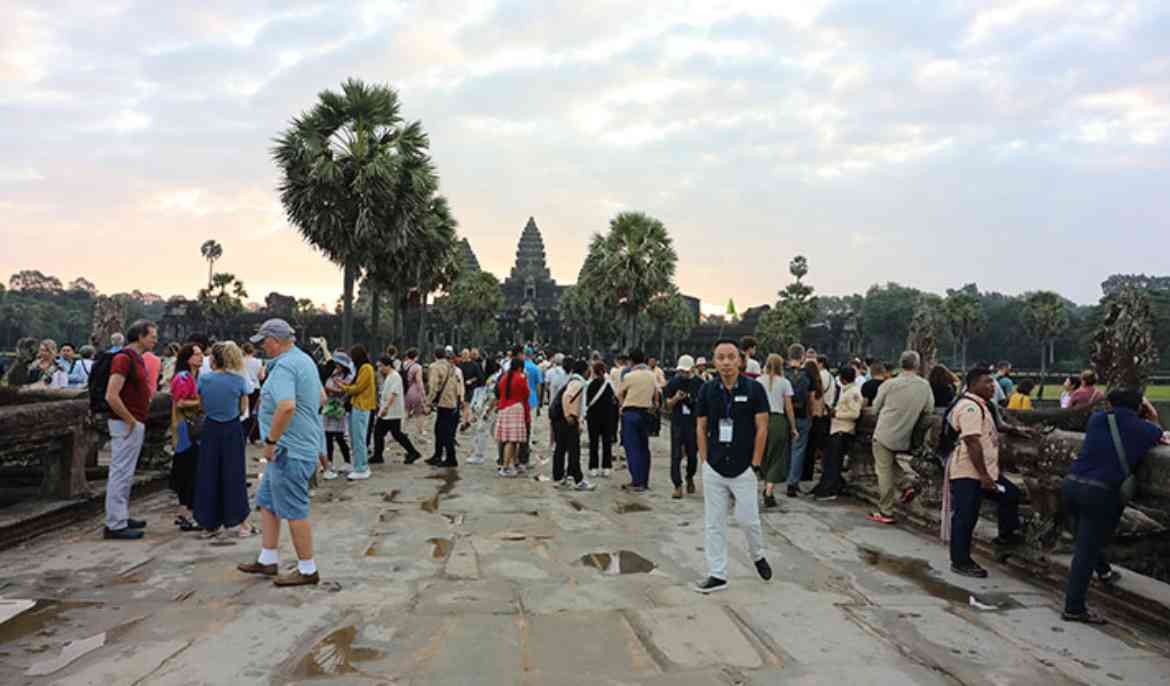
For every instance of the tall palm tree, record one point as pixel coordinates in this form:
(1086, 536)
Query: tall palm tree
(1045, 318)
(340, 163)
(438, 261)
(636, 262)
(212, 251)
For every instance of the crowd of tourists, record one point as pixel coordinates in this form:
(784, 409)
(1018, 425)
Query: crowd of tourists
(752, 429)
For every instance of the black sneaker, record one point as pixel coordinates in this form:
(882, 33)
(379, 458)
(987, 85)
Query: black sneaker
(793, 492)
(711, 585)
(135, 524)
(435, 462)
(411, 459)
(449, 464)
(1014, 538)
(126, 534)
(1111, 577)
(764, 569)
(970, 569)
(769, 500)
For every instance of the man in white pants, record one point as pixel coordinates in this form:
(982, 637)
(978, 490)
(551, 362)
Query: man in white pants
(732, 430)
(128, 395)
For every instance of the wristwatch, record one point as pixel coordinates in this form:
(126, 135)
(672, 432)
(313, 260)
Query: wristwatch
(269, 441)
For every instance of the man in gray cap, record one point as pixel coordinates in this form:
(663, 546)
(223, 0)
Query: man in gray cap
(292, 433)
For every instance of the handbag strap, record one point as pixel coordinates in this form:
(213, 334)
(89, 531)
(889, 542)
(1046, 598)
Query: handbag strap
(1117, 444)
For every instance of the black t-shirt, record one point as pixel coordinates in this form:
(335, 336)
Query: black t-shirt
(691, 386)
(472, 377)
(746, 400)
(869, 389)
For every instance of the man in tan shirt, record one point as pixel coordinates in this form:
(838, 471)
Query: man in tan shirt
(973, 474)
(638, 394)
(445, 396)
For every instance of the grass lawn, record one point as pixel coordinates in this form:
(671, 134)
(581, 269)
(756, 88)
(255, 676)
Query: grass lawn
(1153, 392)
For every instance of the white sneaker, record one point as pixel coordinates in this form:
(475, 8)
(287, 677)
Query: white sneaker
(606, 472)
(586, 486)
(509, 472)
(500, 472)
(357, 476)
(475, 460)
(329, 475)
(593, 473)
(342, 469)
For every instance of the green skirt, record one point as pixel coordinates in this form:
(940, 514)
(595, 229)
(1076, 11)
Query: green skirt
(776, 452)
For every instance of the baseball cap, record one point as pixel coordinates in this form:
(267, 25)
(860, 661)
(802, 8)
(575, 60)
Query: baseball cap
(685, 363)
(276, 328)
(702, 361)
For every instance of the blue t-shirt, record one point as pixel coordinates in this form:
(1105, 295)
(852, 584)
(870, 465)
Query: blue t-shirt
(1098, 458)
(535, 378)
(293, 376)
(221, 393)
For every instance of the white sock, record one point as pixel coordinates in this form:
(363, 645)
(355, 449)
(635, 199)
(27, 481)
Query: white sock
(306, 567)
(269, 556)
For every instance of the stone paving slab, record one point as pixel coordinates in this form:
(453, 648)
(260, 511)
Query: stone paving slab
(432, 580)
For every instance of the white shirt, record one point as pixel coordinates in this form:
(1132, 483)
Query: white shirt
(830, 386)
(392, 386)
(778, 388)
(555, 379)
(252, 366)
(753, 367)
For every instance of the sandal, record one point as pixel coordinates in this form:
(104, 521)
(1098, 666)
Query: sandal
(247, 533)
(1085, 617)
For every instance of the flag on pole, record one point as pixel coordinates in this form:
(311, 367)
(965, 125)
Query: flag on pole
(731, 309)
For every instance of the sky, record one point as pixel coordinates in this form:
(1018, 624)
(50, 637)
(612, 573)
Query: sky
(1017, 144)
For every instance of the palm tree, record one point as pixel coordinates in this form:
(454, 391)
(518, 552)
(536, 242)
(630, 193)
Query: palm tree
(212, 251)
(1045, 318)
(341, 162)
(635, 261)
(437, 259)
(965, 318)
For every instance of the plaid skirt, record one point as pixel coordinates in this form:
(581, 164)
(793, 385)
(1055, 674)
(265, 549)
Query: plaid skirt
(510, 426)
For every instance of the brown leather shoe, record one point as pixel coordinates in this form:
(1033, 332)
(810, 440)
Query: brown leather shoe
(295, 578)
(691, 486)
(257, 568)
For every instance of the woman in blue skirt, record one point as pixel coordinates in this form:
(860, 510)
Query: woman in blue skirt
(221, 495)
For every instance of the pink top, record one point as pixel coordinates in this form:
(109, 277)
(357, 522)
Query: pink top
(153, 366)
(183, 387)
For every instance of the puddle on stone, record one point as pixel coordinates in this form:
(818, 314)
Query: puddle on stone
(919, 572)
(621, 562)
(449, 477)
(335, 654)
(442, 547)
(38, 618)
(626, 508)
(74, 650)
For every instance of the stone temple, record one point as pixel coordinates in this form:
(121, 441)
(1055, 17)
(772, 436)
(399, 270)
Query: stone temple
(531, 296)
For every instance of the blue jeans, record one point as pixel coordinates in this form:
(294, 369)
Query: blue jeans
(966, 497)
(1095, 513)
(636, 439)
(359, 423)
(799, 447)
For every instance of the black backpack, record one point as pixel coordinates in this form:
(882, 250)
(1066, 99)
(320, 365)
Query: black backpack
(948, 437)
(99, 380)
(556, 409)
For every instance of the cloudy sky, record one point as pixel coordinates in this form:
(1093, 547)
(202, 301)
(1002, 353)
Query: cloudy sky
(1020, 144)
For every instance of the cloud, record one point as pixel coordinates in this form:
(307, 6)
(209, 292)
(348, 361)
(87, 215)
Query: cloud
(892, 129)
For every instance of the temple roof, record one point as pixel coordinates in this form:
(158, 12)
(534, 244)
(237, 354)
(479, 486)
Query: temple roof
(530, 255)
(470, 261)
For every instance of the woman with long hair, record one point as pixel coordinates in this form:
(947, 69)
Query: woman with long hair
(943, 384)
(512, 413)
(221, 497)
(186, 420)
(600, 401)
(45, 370)
(781, 425)
(364, 400)
(412, 378)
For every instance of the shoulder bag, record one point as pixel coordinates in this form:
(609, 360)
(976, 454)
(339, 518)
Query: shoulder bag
(1129, 484)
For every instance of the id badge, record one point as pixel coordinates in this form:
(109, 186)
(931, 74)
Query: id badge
(726, 430)
(686, 410)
